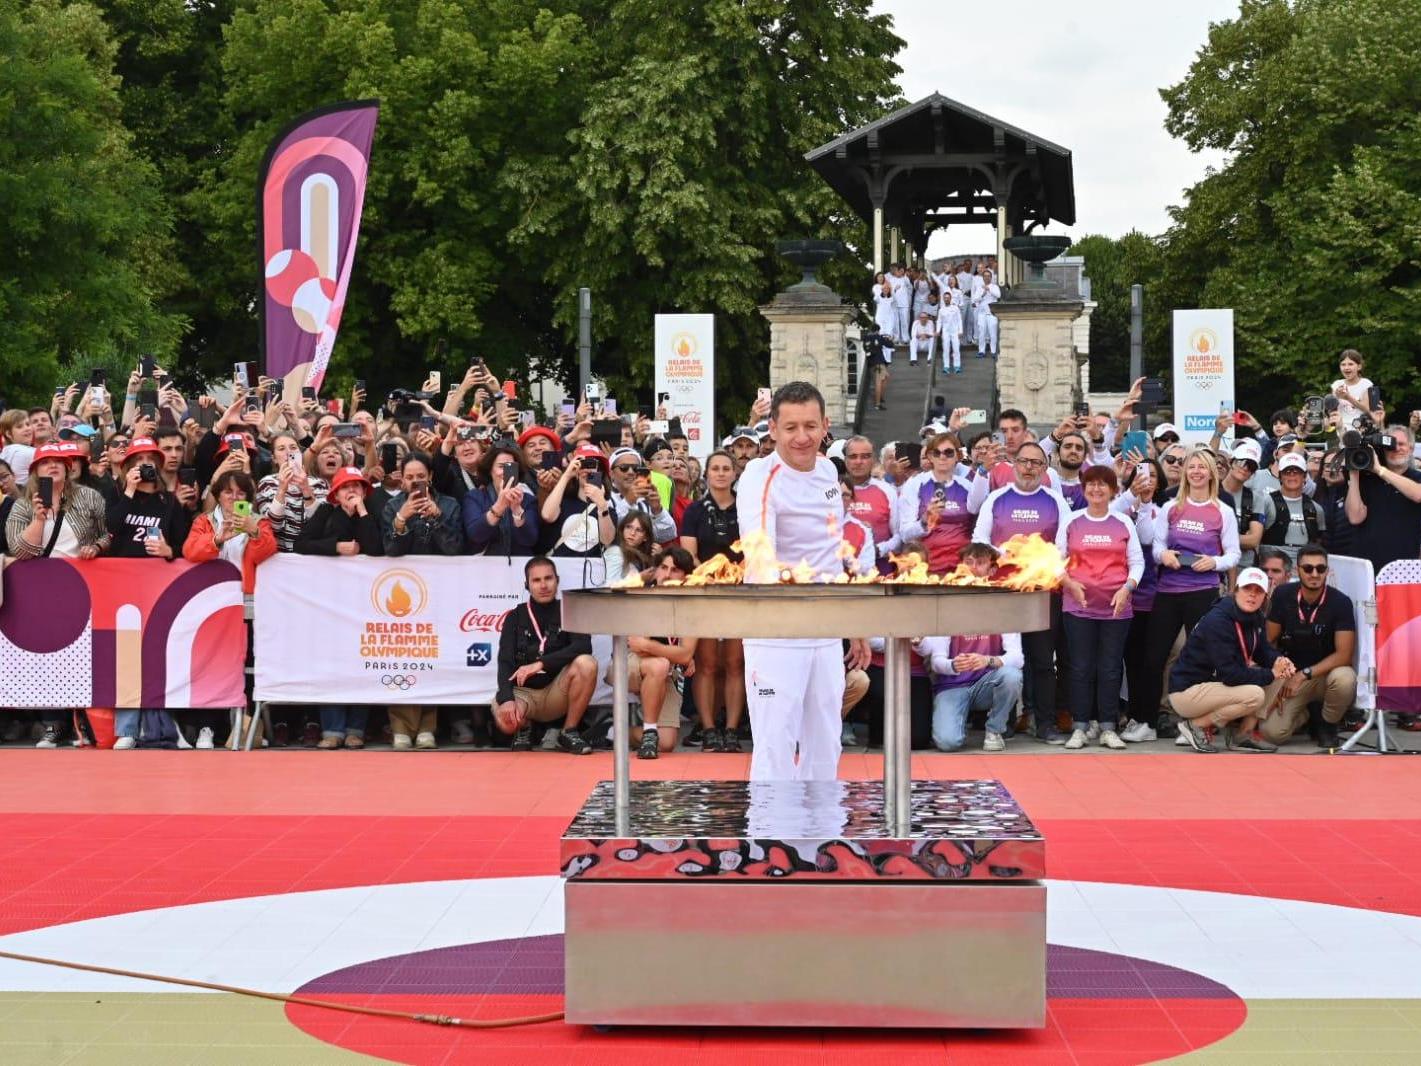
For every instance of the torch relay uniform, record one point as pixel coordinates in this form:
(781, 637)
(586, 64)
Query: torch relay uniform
(951, 532)
(794, 688)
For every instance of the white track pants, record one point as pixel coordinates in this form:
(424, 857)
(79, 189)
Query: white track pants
(922, 344)
(794, 693)
(951, 350)
(900, 324)
(986, 330)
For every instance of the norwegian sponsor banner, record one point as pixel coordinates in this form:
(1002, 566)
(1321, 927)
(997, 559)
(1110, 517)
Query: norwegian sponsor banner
(414, 629)
(685, 374)
(1203, 371)
(122, 633)
(310, 195)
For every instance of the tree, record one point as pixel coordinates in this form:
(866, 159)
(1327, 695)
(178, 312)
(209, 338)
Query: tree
(686, 164)
(1312, 230)
(86, 247)
(1113, 266)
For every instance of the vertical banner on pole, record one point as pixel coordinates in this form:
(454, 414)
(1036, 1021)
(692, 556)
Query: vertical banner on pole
(685, 371)
(310, 195)
(1203, 371)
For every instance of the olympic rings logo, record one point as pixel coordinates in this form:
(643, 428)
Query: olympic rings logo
(399, 681)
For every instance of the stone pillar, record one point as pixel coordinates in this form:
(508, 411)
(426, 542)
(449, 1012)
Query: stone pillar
(878, 265)
(807, 343)
(1037, 371)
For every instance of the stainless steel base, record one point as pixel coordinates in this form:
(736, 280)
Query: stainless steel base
(844, 954)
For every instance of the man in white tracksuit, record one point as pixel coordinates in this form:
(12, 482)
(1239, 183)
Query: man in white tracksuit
(902, 287)
(795, 688)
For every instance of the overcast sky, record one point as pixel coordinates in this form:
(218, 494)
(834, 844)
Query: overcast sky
(1084, 75)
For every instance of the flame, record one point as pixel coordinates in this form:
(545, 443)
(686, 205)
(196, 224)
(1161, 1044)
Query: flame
(398, 602)
(683, 347)
(1202, 347)
(1026, 564)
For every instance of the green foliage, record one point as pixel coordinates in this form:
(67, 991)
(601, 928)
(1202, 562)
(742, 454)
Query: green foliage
(1312, 230)
(85, 251)
(1113, 266)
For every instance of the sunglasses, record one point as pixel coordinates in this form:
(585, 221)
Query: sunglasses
(1172, 460)
(1312, 568)
(624, 467)
(944, 453)
(1168, 438)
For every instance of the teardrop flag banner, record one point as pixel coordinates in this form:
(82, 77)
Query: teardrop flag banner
(309, 201)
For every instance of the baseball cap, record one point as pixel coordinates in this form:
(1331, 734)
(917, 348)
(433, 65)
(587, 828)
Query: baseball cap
(79, 429)
(1248, 449)
(738, 433)
(1165, 427)
(836, 450)
(1251, 575)
(932, 429)
(591, 451)
(1292, 461)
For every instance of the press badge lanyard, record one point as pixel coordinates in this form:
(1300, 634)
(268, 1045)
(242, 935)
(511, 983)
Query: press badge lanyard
(1316, 608)
(1247, 651)
(537, 629)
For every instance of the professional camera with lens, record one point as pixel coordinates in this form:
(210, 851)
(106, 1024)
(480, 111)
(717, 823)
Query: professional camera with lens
(404, 404)
(148, 473)
(1365, 444)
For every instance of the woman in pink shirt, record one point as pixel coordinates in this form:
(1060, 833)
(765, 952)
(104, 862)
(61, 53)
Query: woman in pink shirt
(1103, 567)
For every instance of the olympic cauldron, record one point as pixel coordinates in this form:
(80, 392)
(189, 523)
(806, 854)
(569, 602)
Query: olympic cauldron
(828, 903)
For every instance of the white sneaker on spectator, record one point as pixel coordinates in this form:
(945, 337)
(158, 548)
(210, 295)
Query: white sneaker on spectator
(1139, 733)
(1076, 741)
(426, 742)
(462, 731)
(402, 742)
(183, 744)
(1111, 739)
(1182, 741)
(49, 738)
(124, 743)
(204, 739)
(993, 742)
(1092, 732)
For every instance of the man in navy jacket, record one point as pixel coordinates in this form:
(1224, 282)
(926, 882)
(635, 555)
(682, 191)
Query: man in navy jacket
(1228, 675)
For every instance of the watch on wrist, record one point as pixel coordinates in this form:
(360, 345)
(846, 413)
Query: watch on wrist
(1307, 672)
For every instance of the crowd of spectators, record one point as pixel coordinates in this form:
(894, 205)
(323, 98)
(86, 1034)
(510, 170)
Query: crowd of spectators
(1195, 601)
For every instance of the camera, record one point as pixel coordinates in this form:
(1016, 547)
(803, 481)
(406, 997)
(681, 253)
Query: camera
(1365, 444)
(148, 473)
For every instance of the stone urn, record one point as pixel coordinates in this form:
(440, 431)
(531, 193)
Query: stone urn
(1036, 250)
(809, 256)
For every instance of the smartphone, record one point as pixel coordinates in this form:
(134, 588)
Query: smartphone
(253, 402)
(98, 376)
(477, 362)
(434, 381)
(673, 427)
(607, 431)
(235, 442)
(1240, 418)
(977, 414)
(1152, 391)
(592, 392)
(389, 457)
(510, 388)
(645, 410)
(1143, 470)
(910, 450)
(145, 367)
(1081, 410)
(359, 384)
(663, 399)
(609, 405)
(308, 392)
(586, 462)
(148, 411)
(659, 427)
(998, 437)
(96, 447)
(525, 419)
(1188, 559)
(762, 395)
(553, 460)
(46, 491)
(345, 431)
(241, 508)
(567, 407)
(509, 471)
(1137, 440)
(187, 475)
(239, 375)
(427, 422)
(59, 390)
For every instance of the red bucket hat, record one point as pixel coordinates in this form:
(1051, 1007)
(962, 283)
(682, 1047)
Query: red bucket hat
(345, 475)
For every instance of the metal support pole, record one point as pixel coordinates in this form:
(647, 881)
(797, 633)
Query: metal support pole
(584, 340)
(903, 712)
(621, 739)
(892, 652)
(1137, 341)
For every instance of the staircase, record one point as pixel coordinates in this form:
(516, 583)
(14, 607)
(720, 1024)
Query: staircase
(911, 389)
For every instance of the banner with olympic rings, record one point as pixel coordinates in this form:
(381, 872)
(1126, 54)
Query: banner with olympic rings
(409, 630)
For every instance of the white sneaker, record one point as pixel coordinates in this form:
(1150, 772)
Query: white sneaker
(204, 739)
(1139, 733)
(124, 743)
(993, 742)
(1182, 741)
(1076, 741)
(401, 742)
(1111, 739)
(1092, 732)
(426, 742)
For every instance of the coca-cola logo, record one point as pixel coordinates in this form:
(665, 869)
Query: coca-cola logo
(476, 621)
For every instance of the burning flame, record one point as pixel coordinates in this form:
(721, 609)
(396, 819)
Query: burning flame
(1027, 564)
(398, 602)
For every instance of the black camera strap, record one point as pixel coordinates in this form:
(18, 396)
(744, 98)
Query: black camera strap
(54, 534)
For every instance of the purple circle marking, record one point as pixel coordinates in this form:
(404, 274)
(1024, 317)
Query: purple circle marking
(56, 607)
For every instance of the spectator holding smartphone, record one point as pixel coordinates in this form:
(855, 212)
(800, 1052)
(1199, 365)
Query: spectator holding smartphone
(456, 463)
(424, 522)
(56, 516)
(576, 517)
(289, 496)
(500, 511)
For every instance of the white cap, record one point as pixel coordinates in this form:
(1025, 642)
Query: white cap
(1163, 428)
(1292, 461)
(740, 433)
(1248, 449)
(932, 429)
(1251, 575)
(836, 450)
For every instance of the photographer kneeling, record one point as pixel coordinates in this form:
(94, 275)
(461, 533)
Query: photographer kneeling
(1228, 675)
